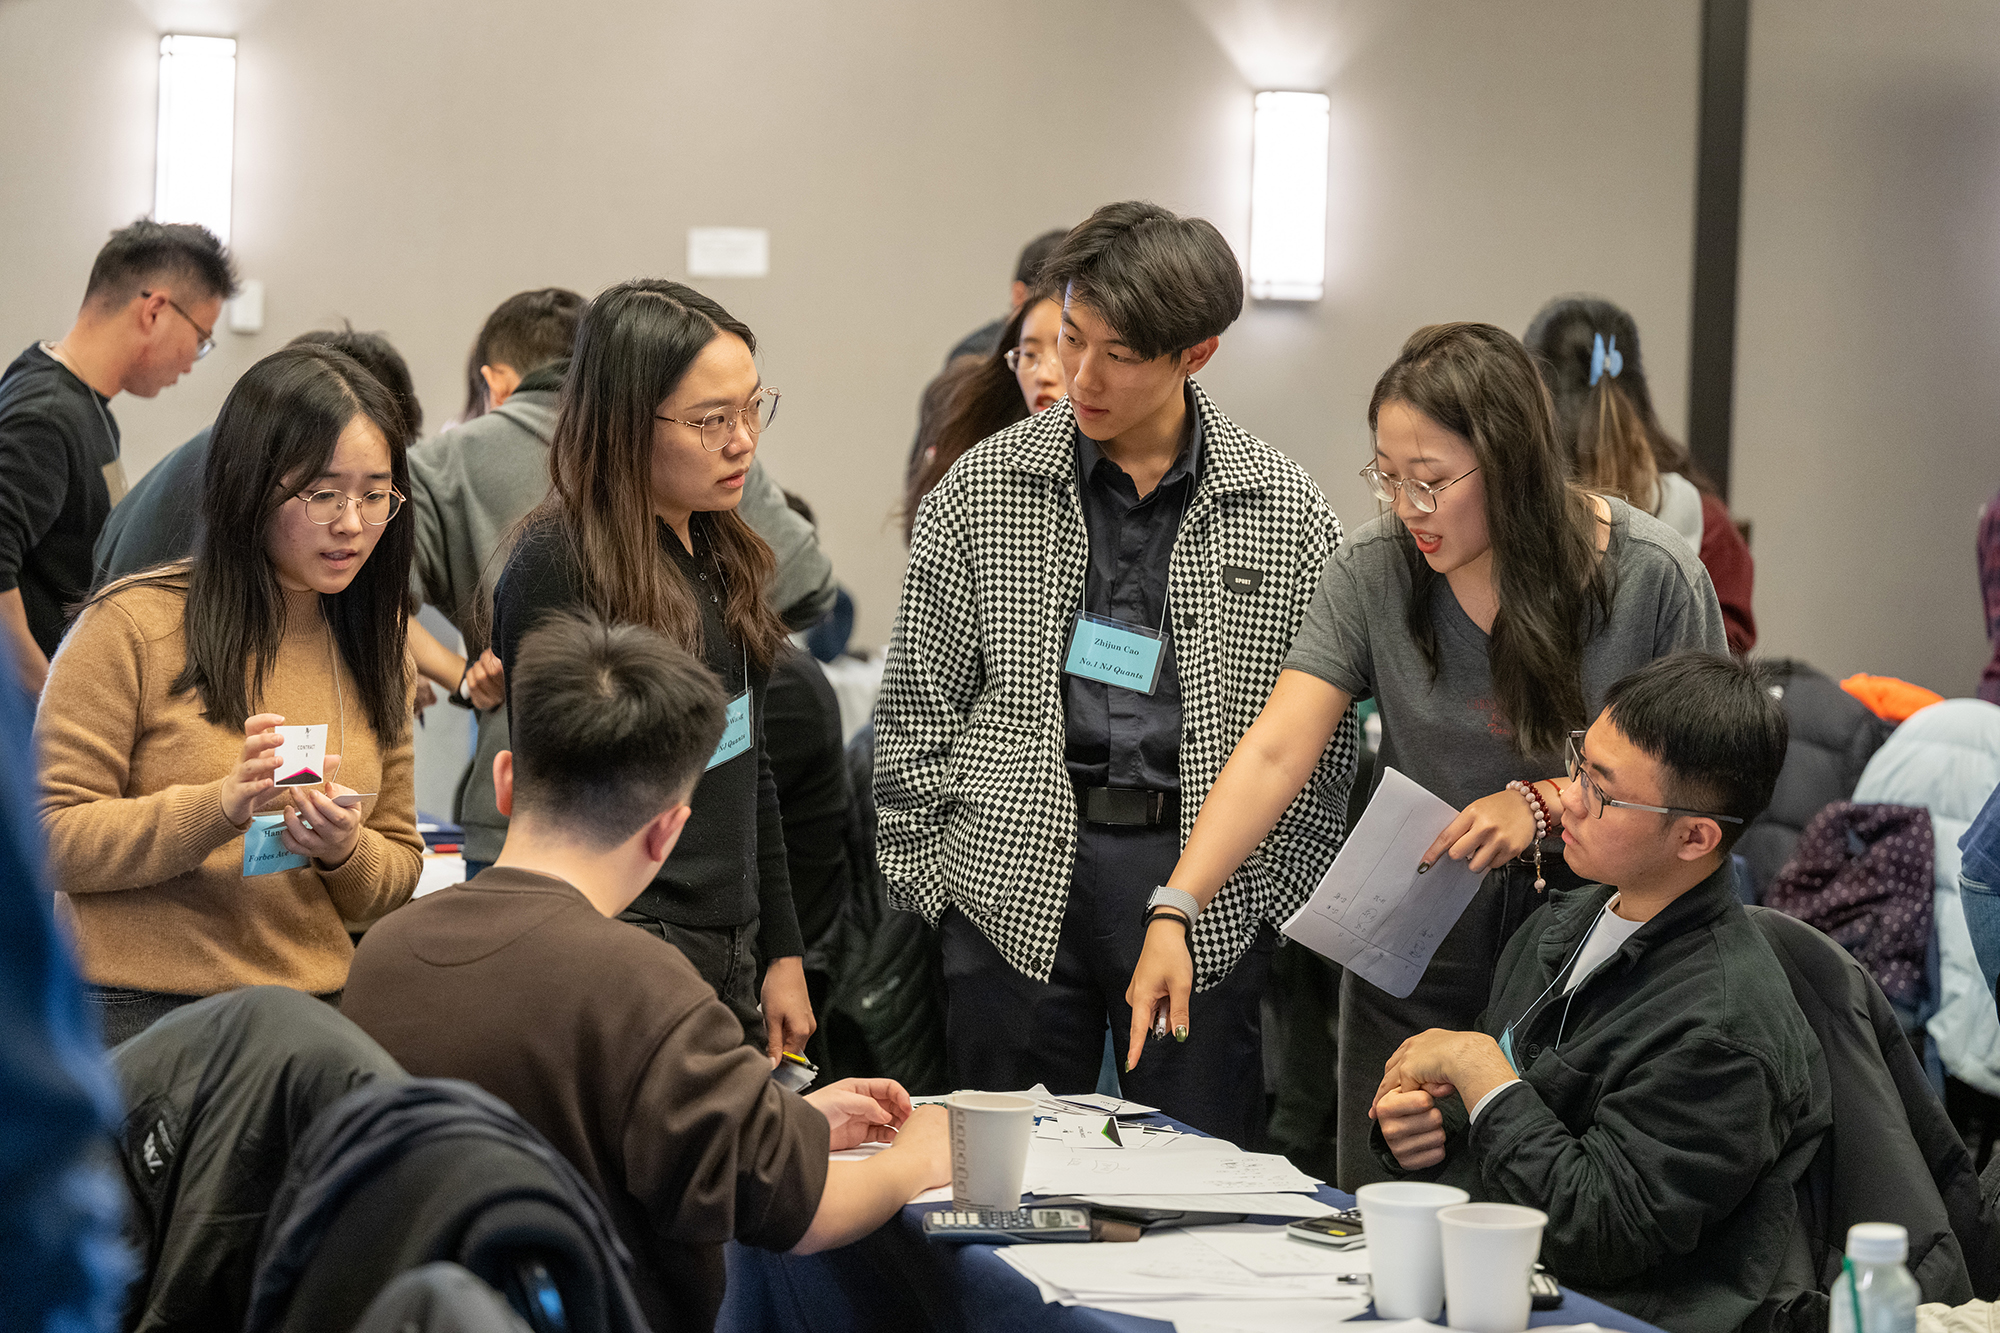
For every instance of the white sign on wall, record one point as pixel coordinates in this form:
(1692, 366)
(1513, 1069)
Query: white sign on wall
(729, 252)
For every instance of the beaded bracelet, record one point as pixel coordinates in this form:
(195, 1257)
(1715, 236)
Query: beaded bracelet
(1540, 811)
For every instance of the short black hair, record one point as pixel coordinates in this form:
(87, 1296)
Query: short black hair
(612, 724)
(183, 253)
(379, 357)
(1165, 283)
(1036, 253)
(1712, 723)
(530, 329)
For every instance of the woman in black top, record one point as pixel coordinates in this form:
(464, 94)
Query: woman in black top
(658, 424)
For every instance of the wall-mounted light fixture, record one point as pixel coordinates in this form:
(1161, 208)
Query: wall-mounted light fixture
(1288, 197)
(197, 147)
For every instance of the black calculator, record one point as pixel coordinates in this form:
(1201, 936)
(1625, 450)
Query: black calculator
(1004, 1227)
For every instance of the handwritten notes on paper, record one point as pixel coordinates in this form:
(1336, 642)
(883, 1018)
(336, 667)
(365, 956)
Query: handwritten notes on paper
(1373, 913)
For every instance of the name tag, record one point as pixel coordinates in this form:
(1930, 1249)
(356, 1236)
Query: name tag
(735, 731)
(263, 852)
(1114, 652)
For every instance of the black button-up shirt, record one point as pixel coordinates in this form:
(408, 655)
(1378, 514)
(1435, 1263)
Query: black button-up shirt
(1115, 737)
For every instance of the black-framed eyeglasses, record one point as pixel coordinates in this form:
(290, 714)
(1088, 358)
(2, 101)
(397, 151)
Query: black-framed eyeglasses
(1422, 494)
(207, 343)
(718, 428)
(1578, 773)
(375, 508)
(1026, 359)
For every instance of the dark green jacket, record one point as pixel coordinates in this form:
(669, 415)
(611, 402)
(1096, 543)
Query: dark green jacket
(1670, 1106)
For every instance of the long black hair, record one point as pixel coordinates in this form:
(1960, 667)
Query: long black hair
(277, 431)
(1609, 429)
(972, 398)
(1479, 383)
(634, 344)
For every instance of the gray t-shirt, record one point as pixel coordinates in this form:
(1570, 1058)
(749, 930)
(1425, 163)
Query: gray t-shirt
(1447, 734)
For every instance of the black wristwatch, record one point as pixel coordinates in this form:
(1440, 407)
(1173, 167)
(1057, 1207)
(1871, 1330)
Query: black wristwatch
(458, 695)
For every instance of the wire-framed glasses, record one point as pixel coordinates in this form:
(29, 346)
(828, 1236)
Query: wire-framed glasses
(1422, 494)
(207, 343)
(375, 508)
(1593, 792)
(1026, 360)
(718, 428)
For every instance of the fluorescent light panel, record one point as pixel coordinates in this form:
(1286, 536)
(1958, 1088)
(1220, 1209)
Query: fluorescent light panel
(1288, 197)
(197, 147)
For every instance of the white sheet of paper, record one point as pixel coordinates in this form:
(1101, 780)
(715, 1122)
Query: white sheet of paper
(1212, 1316)
(1170, 1170)
(1372, 912)
(1269, 1252)
(1162, 1265)
(1256, 1205)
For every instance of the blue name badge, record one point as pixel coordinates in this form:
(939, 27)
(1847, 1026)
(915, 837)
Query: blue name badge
(1114, 652)
(264, 852)
(735, 731)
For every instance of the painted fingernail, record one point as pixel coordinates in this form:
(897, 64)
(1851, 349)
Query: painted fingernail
(1180, 1033)
(1124, 1066)
(1423, 867)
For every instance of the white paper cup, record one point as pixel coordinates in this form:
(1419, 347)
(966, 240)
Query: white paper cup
(1489, 1251)
(1404, 1258)
(301, 756)
(989, 1148)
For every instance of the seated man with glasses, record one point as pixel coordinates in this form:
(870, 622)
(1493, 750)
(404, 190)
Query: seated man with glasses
(1642, 1072)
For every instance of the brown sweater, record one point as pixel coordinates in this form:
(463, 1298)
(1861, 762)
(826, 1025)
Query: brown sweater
(151, 870)
(608, 1041)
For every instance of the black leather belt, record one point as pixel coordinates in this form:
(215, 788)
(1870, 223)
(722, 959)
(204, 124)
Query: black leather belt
(1128, 805)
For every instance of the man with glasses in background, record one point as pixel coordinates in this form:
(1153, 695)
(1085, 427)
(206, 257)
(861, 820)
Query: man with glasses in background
(1642, 1072)
(1097, 604)
(148, 314)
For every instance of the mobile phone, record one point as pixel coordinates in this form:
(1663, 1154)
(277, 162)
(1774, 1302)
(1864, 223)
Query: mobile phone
(1340, 1230)
(1543, 1292)
(347, 800)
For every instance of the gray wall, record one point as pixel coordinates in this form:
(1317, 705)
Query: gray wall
(1866, 383)
(406, 166)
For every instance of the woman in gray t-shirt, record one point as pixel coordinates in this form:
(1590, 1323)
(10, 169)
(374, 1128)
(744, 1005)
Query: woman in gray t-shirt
(1487, 615)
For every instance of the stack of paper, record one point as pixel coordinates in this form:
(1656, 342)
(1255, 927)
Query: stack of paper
(1211, 1279)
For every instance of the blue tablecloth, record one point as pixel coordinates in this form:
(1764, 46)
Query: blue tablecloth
(896, 1280)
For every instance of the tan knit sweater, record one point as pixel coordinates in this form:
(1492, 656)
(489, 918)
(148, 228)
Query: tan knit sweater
(150, 869)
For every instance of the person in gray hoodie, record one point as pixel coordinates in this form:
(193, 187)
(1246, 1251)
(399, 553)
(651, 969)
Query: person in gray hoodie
(473, 482)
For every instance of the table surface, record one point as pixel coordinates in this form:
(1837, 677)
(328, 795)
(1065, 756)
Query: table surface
(896, 1280)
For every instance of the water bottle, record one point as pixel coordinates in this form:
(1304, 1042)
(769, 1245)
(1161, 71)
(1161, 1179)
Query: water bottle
(1875, 1293)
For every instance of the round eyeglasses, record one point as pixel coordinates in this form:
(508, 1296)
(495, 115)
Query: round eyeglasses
(1422, 494)
(1024, 360)
(375, 508)
(1593, 792)
(718, 428)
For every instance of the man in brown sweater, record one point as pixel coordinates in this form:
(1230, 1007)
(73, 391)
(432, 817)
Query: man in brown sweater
(605, 1038)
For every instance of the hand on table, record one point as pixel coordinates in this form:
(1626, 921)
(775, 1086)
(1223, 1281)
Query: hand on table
(862, 1110)
(1491, 830)
(788, 1011)
(925, 1139)
(1165, 970)
(315, 826)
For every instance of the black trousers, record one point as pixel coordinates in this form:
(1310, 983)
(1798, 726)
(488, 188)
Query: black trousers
(1452, 994)
(1005, 1030)
(726, 957)
(124, 1012)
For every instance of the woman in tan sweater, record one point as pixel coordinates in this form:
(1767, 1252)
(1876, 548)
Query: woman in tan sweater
(156, 730)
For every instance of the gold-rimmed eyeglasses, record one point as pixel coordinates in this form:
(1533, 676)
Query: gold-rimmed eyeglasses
(1591, 791)
(207, 343)
(718, 428)
(1422, 493)
(375, 508)
(1027, 360)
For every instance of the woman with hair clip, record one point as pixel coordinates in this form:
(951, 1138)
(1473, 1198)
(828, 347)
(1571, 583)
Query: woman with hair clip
(659, 421)
(184, 871)
(1487, 612)
(1589, 354)
(980, 396)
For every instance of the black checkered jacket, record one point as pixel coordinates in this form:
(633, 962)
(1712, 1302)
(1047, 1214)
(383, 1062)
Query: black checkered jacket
(974, 801)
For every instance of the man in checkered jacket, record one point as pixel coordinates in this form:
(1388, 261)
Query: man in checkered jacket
(1097, 604)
